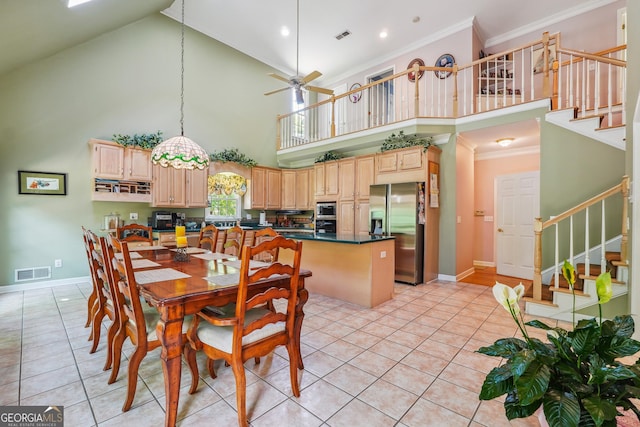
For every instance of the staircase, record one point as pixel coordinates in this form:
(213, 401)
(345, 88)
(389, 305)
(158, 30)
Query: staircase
(554, 299)
(604, 127)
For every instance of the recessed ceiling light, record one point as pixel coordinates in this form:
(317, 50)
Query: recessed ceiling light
(504, 142)
(285, 31)
(73, 3)
(383, 34)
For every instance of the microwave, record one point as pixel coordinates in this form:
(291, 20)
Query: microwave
(326, 210)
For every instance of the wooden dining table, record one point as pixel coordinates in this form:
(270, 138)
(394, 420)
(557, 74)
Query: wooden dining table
(178, 289)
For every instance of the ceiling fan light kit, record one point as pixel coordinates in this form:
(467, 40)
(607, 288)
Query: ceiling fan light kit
(297, 82)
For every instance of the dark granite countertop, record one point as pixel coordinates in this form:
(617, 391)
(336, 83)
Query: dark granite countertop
(337, 238)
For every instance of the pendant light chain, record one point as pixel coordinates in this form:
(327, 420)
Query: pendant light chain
(182, 75)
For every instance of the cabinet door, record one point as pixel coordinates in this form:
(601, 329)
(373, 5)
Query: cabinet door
(362, 217)
(347, 176)
(197, 188)
(258, 188)
(410, 158)
(108, 161)
(274, 188)
(138, 165)
(311, 202)
(331, 187)
(289, 189)
(387, 162)
(169, 187)
(318, 172)
(346, 217)
(301, 189)
(365, 176)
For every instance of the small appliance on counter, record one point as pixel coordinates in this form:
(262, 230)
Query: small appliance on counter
(162, 220)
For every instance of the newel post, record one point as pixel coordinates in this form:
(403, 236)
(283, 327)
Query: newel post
(416, 95)
(546, 90)
(537, 259)
(624, 255)
(278, 132)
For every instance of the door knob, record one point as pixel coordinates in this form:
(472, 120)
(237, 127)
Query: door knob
(500, 230)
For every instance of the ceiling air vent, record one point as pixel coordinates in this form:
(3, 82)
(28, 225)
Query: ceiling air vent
(32, 273)
(343, 34)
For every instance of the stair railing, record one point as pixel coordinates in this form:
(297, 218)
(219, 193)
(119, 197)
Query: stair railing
(540, 226)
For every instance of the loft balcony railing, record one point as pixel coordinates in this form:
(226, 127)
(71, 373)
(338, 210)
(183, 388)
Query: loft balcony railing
(592, 83)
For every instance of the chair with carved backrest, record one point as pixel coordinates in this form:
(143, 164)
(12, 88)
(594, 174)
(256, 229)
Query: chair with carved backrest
(139, 319)
(94, 301)
(260, 236)
(233, 242)
(135, 235)
(253, 330)
(209, 237)
(105, 303)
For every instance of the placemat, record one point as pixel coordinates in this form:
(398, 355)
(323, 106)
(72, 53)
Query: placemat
(158, 275)
(132, 255)
(150, 248)
(193, 250)
(223, 280)
(213, 255)
(253, 264)
(143, 263)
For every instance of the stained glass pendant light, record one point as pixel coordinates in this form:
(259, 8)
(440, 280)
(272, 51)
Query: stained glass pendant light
(180, 152)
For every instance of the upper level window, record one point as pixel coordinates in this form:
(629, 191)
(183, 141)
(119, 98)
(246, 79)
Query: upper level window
(299, 117)
(225, 191)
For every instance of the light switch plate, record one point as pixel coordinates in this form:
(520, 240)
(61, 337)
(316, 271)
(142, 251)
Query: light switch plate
(488, 218)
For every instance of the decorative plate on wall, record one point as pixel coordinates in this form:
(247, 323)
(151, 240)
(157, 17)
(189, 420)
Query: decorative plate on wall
(355, 97)
(445, 60)
(411, 75)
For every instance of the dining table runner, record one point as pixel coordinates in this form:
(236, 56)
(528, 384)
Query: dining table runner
(132, 255)
(223, 280)
(253, 264)
(158, 275)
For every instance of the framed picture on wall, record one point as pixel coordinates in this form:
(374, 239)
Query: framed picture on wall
(43, 183)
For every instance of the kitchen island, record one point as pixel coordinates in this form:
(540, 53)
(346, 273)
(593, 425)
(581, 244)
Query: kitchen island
(354, 268)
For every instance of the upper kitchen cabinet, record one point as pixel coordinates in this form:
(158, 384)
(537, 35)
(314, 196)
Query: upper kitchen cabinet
(266, 188)
(297, 190)
(326, 181)
(179, 188)
(401, 165)
(120, 173)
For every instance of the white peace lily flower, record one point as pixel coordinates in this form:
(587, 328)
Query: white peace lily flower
(519, 290)
(508, 297)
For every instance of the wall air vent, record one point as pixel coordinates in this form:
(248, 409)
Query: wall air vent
(33, 273)
(343, 34)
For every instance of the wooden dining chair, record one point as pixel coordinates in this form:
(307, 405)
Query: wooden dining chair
(209, 237)
(139, 319)
(234, 241)
(253, 330)
(93, 302)
(263, 235)
(135, 235)
(105, 304)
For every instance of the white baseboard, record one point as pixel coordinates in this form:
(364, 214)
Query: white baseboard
(45, 284)
(484, 264)
(464, 274)
(446, 278)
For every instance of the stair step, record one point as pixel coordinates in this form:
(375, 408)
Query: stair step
(543, 302)
(600, 118)
(619, 264)
(567, 291)
(613, 280)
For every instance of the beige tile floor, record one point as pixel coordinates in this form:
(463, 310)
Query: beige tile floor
(407, 362)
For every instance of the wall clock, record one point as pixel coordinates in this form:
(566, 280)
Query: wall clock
(355, 97)
(411, 75)
(445, 60)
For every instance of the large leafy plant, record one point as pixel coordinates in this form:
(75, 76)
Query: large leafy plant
(145, 140)
(576, 376)
(401, 140)
(232, 155)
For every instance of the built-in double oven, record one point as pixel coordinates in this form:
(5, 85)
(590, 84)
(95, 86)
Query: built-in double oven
(326, 217)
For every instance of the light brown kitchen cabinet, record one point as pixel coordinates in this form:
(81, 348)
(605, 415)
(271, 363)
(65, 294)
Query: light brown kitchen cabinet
(356, 175)
(120, 174)
(169, 187)
(401, 160)
(296, 190)
(266, 188)
(346, 216)
(326, 181)
(304, 189)
(347, 179)
(289, 191)
(365, 176)
(197, 188)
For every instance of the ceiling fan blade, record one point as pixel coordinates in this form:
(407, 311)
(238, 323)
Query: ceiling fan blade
(319, 89)
(279, 77)
(277, 90)
(311, 76)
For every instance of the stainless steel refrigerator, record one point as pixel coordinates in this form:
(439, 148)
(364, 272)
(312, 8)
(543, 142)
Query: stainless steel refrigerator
(398, 210)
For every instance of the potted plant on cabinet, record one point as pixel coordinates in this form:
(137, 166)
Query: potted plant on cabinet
(576, 377)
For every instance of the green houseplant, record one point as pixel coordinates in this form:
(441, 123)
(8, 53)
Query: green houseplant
(575, 377)
(232, 155)
(329, 155)
(145, 140)
(401, 140)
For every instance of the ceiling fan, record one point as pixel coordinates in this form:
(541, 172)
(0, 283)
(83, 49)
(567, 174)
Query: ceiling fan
(299, 82)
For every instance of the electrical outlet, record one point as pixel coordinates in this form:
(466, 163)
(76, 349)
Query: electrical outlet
(383, 254)
(57, 263)
(133, 215)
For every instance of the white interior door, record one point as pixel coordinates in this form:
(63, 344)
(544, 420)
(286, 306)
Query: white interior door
(517, 204)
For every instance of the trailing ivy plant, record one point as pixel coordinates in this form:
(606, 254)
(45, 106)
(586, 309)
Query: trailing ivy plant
(145, 140)
(329, 155)
(403, 141)
(232, 155)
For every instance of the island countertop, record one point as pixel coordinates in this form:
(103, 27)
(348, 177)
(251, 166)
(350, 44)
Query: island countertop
(356, 239)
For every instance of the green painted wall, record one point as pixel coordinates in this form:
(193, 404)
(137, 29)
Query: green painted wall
(126, 81)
